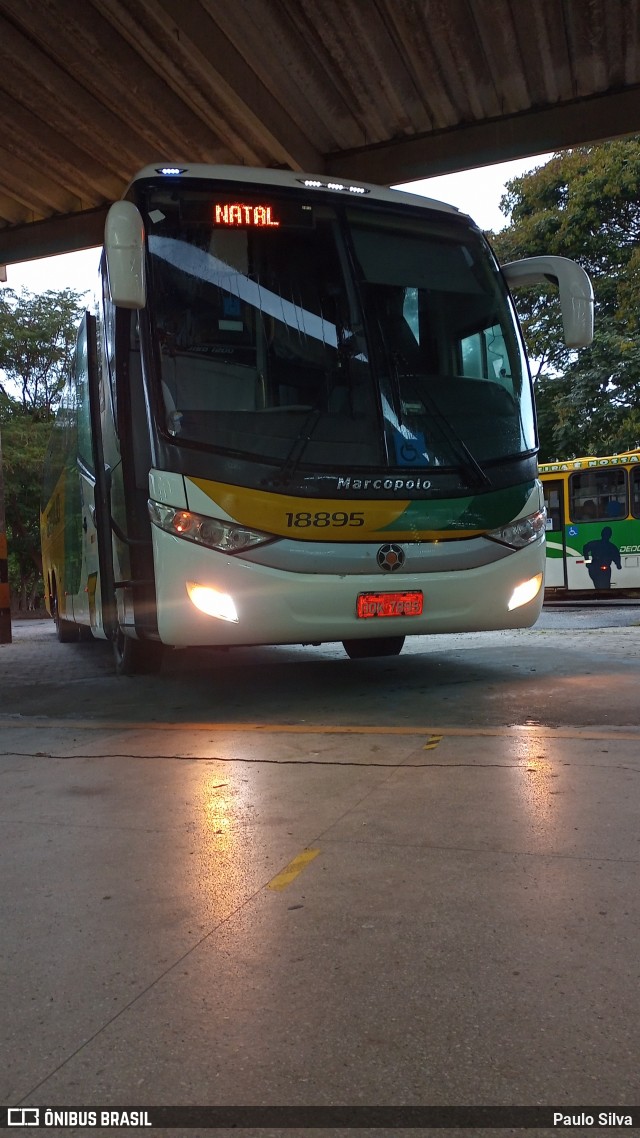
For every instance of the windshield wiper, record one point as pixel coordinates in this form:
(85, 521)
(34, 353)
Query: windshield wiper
(292, 461)
(467, 462)
(303, 438)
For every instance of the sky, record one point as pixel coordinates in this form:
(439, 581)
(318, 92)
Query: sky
(476, 192)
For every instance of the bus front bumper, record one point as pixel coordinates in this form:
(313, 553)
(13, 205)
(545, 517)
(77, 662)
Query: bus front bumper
(270, 606)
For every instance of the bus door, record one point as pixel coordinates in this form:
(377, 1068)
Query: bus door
(556, 564)
(84, 601)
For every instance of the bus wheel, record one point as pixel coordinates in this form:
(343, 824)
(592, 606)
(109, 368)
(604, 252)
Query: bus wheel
(66, 631)
(379, 646)
(136, 657)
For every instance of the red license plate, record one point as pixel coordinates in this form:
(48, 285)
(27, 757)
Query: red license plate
(388, 604)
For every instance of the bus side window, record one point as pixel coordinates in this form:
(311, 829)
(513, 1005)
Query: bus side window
(472, 356)
(635, 492)
(598, 495)
(109, 313)
(552, 503)
(484, 355)
(85, 449)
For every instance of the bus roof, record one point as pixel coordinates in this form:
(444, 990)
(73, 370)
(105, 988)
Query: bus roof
(293, 180)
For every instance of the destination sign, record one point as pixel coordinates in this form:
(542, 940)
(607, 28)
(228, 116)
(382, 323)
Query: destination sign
(260, 213)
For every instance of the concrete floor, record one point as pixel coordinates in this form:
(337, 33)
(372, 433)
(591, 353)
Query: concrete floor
(466, 931)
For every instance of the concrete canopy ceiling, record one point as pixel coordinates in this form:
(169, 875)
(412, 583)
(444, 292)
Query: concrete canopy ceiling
(381, 90)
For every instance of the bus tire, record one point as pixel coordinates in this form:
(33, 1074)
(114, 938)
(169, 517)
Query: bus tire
(66, 631)
(379, 646)
(136, 657)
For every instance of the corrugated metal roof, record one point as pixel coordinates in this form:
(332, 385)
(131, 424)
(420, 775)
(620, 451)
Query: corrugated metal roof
(385, 90)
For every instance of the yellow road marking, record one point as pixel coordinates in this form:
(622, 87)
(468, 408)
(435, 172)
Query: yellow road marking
(432, 743)
(515, 731)
(291, 871)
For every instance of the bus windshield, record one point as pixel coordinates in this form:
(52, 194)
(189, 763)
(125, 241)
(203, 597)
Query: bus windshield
(289, 331)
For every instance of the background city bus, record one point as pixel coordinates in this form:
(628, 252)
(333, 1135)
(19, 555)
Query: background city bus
(593, 525)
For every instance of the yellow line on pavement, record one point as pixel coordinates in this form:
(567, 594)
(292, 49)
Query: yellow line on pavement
(291, 871)
(432, 743)
(516, 731)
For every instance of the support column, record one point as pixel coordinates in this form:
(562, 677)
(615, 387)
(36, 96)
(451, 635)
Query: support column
(5, 606)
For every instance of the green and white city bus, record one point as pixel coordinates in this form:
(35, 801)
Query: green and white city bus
(593, 526)
(301, 412)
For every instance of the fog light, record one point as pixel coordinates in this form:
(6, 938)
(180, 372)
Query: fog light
(212, 602)
(525, 592)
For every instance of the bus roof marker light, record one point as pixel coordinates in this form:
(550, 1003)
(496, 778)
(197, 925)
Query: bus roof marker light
(170, 170)
(317, 184)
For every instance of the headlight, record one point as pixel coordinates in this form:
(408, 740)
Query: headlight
(525, 592)
(212, 601)
(226, 537)
(523, 532)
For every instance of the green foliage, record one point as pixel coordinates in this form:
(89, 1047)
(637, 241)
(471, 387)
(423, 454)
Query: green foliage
(583, 204)
(24, 442)
(37, 338)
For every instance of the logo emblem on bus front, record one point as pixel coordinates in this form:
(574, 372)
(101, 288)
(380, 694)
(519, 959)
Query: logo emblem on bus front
(390, 557)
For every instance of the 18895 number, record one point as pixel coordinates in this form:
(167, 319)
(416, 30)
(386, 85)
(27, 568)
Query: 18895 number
(322, 518)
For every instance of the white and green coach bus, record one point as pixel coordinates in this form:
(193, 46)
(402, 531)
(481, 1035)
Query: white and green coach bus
(301, 412)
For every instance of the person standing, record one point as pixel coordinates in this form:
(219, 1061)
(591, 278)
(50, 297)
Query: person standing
(598, 555)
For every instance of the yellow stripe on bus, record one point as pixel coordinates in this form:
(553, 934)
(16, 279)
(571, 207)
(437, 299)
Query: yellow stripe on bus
(328, 519)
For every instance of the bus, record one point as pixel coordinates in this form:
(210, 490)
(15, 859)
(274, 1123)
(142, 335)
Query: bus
(593, 526)
(300, 412)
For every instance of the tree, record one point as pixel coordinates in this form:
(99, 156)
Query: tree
(583, 204)
(37, 338)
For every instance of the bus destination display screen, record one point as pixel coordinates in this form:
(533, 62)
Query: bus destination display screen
(247, 212)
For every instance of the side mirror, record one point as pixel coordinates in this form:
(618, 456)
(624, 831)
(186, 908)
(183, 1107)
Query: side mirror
(576, 293)
(124, 249)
